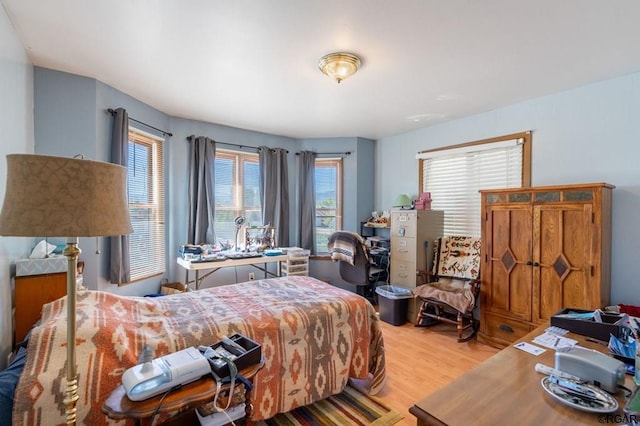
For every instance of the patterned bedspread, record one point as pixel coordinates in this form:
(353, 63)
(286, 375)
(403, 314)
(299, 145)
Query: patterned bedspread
(314, 337)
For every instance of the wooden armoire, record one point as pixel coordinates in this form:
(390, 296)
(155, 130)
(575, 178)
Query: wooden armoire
(543, 249)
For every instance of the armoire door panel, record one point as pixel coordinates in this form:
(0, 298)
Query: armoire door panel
(562, 254)
(508, 257)
(520, 292)
(511, 293)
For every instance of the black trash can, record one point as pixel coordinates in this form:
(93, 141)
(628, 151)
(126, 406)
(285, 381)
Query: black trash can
(392, 304)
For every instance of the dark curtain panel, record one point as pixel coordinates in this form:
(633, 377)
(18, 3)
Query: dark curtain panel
(201, 202)
(120, 265)
(274, 191)
(307, 196)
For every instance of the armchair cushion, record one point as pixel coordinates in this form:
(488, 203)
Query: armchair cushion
(459, 298)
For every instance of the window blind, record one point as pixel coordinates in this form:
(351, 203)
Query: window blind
(145, 186)
(454, 179)
(328, 195)
(237, 192)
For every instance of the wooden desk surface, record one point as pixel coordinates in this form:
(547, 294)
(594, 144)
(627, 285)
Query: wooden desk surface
(505, 389)
(209, 268)
(200, 266)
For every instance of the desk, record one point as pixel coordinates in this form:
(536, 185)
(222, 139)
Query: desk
(118, 406)
(211, 267)
(505, 389)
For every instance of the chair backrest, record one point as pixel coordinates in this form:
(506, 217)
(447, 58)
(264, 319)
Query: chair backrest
(457, 257)
(357, 274)
(344, 245)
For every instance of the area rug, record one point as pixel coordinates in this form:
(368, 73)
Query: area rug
(351, 407)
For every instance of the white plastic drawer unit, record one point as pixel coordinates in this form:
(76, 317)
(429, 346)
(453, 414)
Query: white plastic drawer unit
(297, 263)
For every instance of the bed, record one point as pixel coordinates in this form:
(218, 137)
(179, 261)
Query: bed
(314, 337)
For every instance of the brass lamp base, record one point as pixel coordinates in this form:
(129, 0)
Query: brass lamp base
(72, 252)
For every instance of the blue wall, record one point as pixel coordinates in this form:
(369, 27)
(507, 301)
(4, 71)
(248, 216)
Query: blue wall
(71, 118)
(584, 135)
(16, 132)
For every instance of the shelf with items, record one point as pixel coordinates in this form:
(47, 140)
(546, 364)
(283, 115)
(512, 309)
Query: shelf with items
(376, 221)
(297, 262)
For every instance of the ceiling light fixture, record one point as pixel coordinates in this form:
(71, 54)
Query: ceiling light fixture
(339, 65)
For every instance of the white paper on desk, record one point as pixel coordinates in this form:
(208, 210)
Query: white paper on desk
(554, 341)
(528, 347)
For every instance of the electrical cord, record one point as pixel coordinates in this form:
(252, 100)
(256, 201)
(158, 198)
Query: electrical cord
(214, 357)
(628, 392)
(233, 373)
(155, 411)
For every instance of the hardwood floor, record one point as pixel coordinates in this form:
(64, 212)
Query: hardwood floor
(420, 360)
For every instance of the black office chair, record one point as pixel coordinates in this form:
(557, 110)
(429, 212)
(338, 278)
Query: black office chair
(350, 250)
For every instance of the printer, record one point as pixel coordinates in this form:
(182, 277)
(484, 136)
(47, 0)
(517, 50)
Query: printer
(591, 366)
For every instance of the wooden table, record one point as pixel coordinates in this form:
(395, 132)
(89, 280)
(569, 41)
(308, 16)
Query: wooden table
(505, 389)
(211, 267)
(118, 406)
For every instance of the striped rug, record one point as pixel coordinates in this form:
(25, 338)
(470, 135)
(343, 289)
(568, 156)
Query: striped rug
(351, 407)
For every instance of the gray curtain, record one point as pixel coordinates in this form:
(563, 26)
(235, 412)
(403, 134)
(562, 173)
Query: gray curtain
(119, 264)
(201, 202)
(274, 191)
(307, 196)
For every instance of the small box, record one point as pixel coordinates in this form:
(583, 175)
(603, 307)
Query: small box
(252, 356)
(189, 249)
(234, 413)
(611, 324)
(173, 288)
(49, 265)
(424, 202)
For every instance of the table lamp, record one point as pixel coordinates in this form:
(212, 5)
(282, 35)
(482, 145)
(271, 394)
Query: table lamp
(403, 201)
(239, 221)
(65, 197)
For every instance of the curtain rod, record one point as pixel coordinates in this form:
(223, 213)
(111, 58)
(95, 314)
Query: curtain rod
(330, 153)
(235, 144)
(113, 111)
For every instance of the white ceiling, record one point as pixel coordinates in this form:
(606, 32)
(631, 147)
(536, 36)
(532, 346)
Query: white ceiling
(253, 63)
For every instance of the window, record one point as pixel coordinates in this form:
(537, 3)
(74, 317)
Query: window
(237, 183)
(146, 205)
(328, 194)
(454, 175)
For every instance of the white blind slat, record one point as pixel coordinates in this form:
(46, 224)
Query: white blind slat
(145, 186)
(455, 177)
(237, 193)
(328, 195)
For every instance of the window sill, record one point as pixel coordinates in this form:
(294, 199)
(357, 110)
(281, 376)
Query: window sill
(321, 256)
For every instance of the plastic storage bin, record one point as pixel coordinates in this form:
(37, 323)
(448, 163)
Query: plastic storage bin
(392, 304)
(297, 263)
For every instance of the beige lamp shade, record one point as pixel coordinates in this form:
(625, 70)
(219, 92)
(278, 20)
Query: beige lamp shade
(64, 197)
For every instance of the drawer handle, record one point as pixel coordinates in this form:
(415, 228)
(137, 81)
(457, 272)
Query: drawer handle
(403, 275)
(506, 328)
(403, 251)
